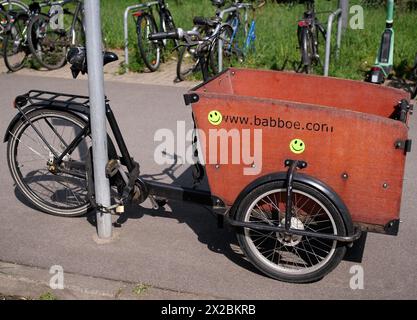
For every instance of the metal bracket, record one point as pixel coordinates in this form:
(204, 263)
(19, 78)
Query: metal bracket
(190, 98)
(404, 145)
(292, 165)
(402, 110)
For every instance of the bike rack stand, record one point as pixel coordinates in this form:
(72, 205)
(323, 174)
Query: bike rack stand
(341, 15)
(126, 26)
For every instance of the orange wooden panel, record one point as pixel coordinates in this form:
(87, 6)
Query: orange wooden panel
(338, 142)
(325, 91)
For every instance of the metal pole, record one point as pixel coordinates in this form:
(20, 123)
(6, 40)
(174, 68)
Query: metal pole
(344, 5)
(126, 33)
(98, 115)
(329, 40)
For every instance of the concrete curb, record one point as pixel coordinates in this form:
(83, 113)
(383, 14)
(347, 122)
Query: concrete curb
(25, 282)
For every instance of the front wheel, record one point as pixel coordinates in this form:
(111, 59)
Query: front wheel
(291, 258)
(150, 51)
(187, 63)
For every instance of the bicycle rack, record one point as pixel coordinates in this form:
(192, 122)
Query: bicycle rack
(340, 15)
(126, 27)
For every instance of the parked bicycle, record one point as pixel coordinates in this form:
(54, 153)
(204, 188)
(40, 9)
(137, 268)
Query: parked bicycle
(233, 44)
(7, 7)
(151, 52)
(46, 36)
(203, 47)
(308, 32)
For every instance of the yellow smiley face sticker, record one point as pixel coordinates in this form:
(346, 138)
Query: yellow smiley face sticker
(297, 146)
(215, 117)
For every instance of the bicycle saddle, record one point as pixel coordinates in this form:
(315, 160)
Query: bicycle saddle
(202, 21)
(77, 58)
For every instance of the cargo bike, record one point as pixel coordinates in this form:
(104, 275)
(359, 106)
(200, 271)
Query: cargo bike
(331, 166)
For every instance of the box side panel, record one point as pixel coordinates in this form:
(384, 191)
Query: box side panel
(353, 153)
(325, 91)
(221, 84)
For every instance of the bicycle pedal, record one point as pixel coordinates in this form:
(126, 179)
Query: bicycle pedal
(112, 168)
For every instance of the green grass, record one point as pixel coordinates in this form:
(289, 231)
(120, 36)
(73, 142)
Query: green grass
(48, 296)
(141, 289)
(276, 43)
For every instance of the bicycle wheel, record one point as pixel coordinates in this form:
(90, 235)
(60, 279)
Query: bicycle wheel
(14, 5)
(306, 49)
(4, 25)
(187, 63)
(47, 43)
(291, 258)
(150, 51)
(61, 194)
(15, 47)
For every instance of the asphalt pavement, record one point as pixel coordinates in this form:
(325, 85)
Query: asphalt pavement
(180, 249)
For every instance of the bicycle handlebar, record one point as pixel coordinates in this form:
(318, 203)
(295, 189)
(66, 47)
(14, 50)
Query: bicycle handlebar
(166, 35)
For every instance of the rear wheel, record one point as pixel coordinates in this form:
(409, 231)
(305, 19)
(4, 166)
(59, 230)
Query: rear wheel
(59, 193)
(150, 51)
(291, 258)
(306, 50)
(47, 44)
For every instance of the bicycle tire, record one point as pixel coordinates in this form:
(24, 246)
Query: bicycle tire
(184, 73)
(49, 53)
(14, 5)
(146, 46)
(15, 48)
(306, 47)
(313, 257)
(23, 173)
(15, 158)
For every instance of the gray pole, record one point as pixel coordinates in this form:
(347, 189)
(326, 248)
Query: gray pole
(344, 5)
(98, 114)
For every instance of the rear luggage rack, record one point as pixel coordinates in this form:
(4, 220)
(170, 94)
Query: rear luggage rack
(66, 100)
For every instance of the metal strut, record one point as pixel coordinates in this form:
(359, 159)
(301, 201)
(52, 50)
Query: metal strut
(292, 165)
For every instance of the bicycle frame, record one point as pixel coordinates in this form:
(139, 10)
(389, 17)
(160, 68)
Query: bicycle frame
(78, 105)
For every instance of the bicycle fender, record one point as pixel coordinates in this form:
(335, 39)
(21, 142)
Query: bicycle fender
(305, 179)
(80, 111)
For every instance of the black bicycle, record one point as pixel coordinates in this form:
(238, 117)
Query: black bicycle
(309, 28)
(47, 37)
(151, 51)
(233, 41)
(203, 47)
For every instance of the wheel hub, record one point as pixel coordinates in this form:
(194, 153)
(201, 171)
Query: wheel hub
(288, 239)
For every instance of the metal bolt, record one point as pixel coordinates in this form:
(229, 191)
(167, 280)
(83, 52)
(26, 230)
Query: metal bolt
(345, 176)
(385, 185)
(217, 166)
